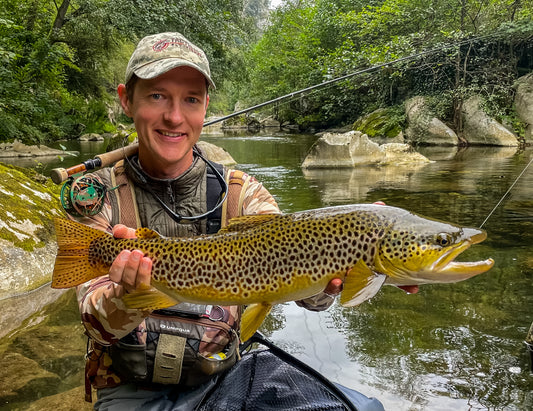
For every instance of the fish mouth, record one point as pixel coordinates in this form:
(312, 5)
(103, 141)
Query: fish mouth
(448, 270)
(445, 269)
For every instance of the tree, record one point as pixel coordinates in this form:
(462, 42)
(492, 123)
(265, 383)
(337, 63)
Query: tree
(332, 38)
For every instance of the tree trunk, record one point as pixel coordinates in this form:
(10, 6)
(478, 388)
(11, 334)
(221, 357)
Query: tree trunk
(59, 20)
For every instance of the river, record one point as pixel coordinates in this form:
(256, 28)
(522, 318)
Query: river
(454, 346)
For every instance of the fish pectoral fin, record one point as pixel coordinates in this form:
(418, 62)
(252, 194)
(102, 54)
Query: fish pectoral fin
(360, 284)
(252, 318)
(146, 233)
(148, 298)
(245, 222)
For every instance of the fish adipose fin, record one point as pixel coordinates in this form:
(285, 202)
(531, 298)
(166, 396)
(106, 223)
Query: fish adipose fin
(72, 265)
(360, 284)
(146, 297)
(246, 222)
(252, 318)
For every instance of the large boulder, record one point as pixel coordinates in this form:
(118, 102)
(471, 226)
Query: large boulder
(18, 149)
(379, 124)
(27, 247)
(27, 251)
(91, 137)
(216, 153)
(355, 149)
(270, 122)
(424, 128)
(524, 103)
(481, 129)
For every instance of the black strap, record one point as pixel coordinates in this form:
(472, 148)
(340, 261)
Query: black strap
(214, 191)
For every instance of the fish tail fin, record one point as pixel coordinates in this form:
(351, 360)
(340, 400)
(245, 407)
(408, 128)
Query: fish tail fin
(252, 318)
(72, 266)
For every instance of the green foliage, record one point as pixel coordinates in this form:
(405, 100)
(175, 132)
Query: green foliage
(62, 60)
(310, 42)
(59, 71)
(385, 122)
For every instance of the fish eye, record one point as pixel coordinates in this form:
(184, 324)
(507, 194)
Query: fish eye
(443, 239)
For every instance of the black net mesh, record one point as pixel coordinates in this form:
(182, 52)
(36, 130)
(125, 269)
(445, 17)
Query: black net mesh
(262, 381)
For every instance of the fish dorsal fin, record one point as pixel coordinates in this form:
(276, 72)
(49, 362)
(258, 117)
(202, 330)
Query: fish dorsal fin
(360, 284)
(146, 234)
(247, 222)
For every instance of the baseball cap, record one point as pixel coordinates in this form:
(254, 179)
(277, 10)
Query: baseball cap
(159, 53)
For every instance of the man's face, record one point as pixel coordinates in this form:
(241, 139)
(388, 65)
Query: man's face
(168, 112)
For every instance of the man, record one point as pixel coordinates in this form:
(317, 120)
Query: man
(132, 351)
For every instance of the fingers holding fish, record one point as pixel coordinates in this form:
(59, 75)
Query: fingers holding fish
(131, 269)
(334, 287)
(122, 231)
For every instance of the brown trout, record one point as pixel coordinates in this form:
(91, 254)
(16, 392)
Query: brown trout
(264, 260)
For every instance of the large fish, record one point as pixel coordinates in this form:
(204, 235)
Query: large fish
(268, 259)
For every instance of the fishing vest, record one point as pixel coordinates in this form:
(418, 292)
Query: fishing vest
(186, 344)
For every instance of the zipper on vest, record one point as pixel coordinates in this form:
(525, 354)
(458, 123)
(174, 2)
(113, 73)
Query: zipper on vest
(171, 194)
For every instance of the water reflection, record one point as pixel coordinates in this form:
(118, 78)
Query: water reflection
(344, 185)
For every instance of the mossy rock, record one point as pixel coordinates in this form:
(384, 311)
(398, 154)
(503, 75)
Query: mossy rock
(382, 122)
(29, 203)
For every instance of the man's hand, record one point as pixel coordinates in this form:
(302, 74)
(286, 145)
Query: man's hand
(130, 269)
(334, 287)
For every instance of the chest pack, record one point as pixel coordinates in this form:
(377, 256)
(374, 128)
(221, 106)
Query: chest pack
(186, 344)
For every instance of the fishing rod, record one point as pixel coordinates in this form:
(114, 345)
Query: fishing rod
(59, 175)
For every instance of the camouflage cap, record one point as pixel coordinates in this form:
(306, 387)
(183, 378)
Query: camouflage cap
(159, 53)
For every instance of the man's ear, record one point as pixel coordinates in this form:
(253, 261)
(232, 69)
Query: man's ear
(124, 100)
(206, 101)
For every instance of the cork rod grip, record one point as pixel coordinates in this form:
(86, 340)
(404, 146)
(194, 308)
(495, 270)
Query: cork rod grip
(116, 155)
(58, 175)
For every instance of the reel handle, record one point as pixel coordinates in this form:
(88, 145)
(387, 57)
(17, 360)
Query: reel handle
(58, 175)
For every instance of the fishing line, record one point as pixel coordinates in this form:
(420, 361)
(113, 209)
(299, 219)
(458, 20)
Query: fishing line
(506, 193)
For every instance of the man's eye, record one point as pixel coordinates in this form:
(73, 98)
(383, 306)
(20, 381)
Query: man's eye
(192, 100)
(156, 96)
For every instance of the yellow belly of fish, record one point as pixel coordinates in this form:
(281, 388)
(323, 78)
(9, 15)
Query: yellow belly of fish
(298, 288)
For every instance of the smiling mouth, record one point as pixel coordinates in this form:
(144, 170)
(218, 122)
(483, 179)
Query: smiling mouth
(169, 134)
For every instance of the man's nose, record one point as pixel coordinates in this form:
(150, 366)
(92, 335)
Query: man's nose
(174, 113)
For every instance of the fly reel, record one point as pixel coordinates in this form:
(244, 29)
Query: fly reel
(83, 196)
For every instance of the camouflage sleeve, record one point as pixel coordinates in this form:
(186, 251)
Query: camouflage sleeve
(258, 200)
(102, 311)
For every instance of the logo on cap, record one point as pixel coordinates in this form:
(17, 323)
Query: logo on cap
(161, 45)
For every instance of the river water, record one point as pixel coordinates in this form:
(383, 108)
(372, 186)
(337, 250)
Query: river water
(449, 347)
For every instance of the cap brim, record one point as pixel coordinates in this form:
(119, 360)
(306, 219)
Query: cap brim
(158, 67)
